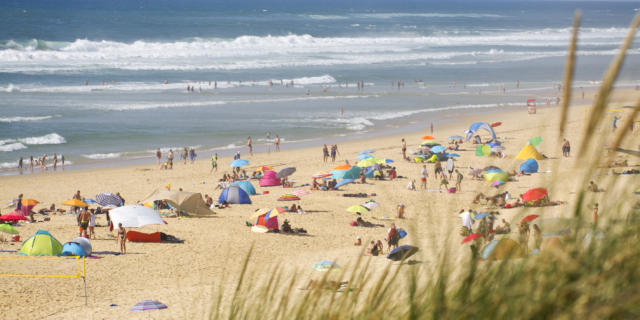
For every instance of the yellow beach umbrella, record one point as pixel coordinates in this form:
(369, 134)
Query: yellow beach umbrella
(274, 212)
(496, 176)
(368, 162)
(74, 203)
(357, 209)
(29, 202)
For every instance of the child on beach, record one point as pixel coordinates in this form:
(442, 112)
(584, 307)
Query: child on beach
(459, 178)
(423, 176)
(444, 182)
(92, 224)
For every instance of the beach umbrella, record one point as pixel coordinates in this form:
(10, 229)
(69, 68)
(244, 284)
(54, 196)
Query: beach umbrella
(529, 218)
(5, 228)
(345, 166)
(325, 265)
(364, 156)
(402, 252)
(497, 183)
(492, 168)
(300, 192)
(370, 204)
(263, 169)
(89, 201)
(496, 124)
(429, 144)
(368, 162)
(239, 163)
(285, 172)
(338, 174)
(481, 215)
(471, 237)
(353, 173)
(319, 175)
(343, 182)
(288, 197)
(452, 155)
(106, 199)
(134, 216)
(437, 149)
(74, 203)
(12, 216)
(496, 176)
(428, 138)
(145, 305)
(452, 138)
(29, 202)
(367, 151)
(534, 194)
(535, 141)
(273, 212)
(357, 209)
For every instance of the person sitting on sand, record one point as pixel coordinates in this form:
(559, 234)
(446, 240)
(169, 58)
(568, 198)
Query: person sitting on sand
(286, 228)
(293, 208)
(358, 241)
(208, 200)
(363, 179)
(505, 228)
(393, 173)
(480, 197)
(592, 187)
(315, 185)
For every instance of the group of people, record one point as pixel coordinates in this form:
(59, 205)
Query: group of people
(376, 248)
(41, 163)
(326, 152)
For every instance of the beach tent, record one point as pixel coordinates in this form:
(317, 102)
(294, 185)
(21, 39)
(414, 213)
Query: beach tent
(234, 194)
(73, 249)
(529, 166)
(480, 125)
(246, 186)
(134, 216)
(528, 152)
(502, 249)
(269, 179)
(496, 176)
(270, 222)
(190, 202)
(41, 244)
(353, 173)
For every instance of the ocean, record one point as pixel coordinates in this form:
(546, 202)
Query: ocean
(106, 82)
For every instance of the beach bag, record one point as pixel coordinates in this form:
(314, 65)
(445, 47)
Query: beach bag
(402, 233)
(452, 190)
(353, 223)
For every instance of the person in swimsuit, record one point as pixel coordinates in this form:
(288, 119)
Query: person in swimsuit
(122, 237)
(404, 149)
(214, 163)
(83, 219)
(325, 153)
(159, 155)
(277, 143)
(92, 224)
(249, 141)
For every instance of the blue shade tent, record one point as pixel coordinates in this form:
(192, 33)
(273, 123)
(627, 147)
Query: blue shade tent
(343, 182)
(529, 166)
(73, 249)
(402, 252)
(234, 194)
(239, 163)
(438, 149)
(365, 151)
(480, 125)
(338, 174)
(246, 186)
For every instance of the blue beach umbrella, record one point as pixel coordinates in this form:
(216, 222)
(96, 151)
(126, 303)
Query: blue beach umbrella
(325, 265)
(452, 155)
(455, 138)
(480, 216)
(239, 163)
(353, 173)
(89, 201)
(364, 156)
(365, 151)
(108, 199)
(149, 305)
(402, 252)
(343, 182)
(338, 174)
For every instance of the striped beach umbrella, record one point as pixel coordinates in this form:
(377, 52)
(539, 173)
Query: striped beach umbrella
(106, 199)
(149, 305)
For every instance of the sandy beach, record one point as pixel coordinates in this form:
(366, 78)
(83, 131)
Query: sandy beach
(183, 276)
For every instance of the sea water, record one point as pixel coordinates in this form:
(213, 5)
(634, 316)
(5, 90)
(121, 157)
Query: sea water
(106, 82)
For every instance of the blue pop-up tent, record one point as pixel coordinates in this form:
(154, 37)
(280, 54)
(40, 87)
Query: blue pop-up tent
(529, 166)
(234, 194)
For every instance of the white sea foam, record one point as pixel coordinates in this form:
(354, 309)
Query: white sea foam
(102, 156)
(51, 138)
(260, 52)
(12, 147)
(8, 165)
(24, 119)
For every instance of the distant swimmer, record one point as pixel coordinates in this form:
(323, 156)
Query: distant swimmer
(517, 84)
(249, 146)
(86, 82)
(308, 92)
(215, 84)
(166, 81)
(341, 111)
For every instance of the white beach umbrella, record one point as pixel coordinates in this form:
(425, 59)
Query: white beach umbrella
(134, 216)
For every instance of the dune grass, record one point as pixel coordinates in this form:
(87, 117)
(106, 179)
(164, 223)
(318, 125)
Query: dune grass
(595, 274)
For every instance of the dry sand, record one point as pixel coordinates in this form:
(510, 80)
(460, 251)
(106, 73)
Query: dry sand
(184, 275)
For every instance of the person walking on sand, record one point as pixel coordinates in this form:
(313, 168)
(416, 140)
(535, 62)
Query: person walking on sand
(393, 237)
(423, 177)
(55, 161)
(92, 224)
(325, 153)
(249, 145)
(122, 238)
(170, 158)
(404, 149)
(566, 148)
(192, 155)
(184, 154)
(334, 151)
(277, 143)
(214, 163)
(159, 155)
(459, 178)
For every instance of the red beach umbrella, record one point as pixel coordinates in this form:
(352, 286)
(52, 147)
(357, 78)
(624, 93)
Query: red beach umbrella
(534, 194)
(529, 218)
(12, 216)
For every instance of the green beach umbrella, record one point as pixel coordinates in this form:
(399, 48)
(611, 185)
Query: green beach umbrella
(357, 209)
(535, 141)
(5, 228)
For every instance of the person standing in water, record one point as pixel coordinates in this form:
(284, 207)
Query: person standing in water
(55, 162)
(249, 146)
(277, 143)
(20, 164)
(62, 161)
(268, 142)
(159, 155)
